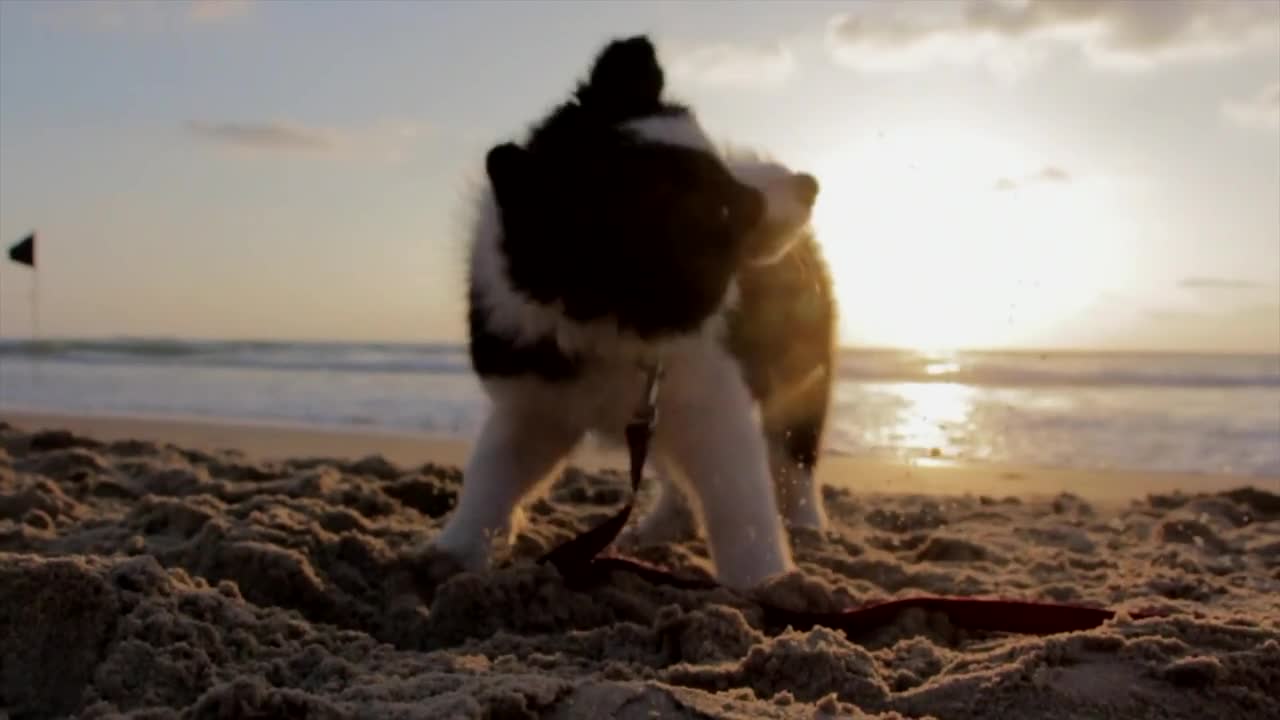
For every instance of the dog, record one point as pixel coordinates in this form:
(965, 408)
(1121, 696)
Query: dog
(618, 236)
(782, 333)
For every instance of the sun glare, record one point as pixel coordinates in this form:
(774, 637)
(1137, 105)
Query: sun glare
(938, 239)
(935, 416)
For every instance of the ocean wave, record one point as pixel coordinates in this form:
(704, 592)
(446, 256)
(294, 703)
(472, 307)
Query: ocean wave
(1001, 375)
(382, 358)
(998, 369)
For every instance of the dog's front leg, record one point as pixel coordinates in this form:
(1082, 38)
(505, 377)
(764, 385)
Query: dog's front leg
(518, 448)
(707, 429)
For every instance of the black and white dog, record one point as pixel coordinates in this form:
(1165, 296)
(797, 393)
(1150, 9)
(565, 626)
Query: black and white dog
(618, 234)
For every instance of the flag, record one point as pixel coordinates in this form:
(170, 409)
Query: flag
(24, 252)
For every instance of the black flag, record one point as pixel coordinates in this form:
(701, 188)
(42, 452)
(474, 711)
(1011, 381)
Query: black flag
(24, 251)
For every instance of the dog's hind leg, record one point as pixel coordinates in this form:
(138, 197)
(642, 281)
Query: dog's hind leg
(795, 476)
(795, 443)
(671, 517)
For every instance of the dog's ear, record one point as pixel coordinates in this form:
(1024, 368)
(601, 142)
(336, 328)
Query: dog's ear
(626, 80)
(507, 166)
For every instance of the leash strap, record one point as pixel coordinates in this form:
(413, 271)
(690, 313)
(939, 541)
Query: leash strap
(576, 557)
(581, 564)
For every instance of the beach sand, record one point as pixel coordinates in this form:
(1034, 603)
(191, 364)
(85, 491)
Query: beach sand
(166, 568)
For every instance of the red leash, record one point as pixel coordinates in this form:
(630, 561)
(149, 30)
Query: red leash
(580, 562)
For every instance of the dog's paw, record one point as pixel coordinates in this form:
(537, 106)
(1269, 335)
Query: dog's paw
(657, 529)
(806, 516)
(426, 568)
(629, 539)
(800, 501)
(439, 565)
(469, 547)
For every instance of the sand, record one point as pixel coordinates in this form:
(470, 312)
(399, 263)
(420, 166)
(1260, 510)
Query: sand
(148, 579)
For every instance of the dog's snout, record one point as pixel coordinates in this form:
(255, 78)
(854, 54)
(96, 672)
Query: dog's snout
(805, 186)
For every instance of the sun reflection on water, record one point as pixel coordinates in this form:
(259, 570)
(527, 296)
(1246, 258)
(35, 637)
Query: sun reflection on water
(934, 419)
(941, 368)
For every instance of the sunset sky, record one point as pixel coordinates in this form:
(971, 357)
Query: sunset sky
(998, 174)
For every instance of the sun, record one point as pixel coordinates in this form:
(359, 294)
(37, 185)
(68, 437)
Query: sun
(942, 239)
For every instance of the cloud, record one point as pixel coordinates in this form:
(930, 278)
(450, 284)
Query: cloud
(736, 65)
(1217, 283)
(907, 36)
(1010, 36)
(266, 136)
(1136, 323)
(1047, 174)
(1052, 173)
(145, 15)
(1259, 111)
(1249, 328)
(213, 11)
(388, 139)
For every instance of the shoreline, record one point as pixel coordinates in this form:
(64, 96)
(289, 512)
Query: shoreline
(270, 441)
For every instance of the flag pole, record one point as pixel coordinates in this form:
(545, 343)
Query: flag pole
(35, 306)
(35, 296)
(24, 253)
(35, 319)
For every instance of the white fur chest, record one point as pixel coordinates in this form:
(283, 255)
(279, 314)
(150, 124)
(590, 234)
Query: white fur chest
(599, 401)
(603, 399)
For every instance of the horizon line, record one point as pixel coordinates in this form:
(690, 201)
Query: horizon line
(854, 347)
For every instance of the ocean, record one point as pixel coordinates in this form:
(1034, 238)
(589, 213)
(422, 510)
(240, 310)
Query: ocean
(1157, 412)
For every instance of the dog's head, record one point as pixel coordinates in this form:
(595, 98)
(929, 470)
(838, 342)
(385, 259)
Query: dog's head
(789, 198)
(619, 205)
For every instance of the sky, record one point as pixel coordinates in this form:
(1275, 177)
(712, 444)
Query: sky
(1030, 173)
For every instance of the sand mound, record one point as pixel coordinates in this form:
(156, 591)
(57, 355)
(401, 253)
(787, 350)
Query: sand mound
(156, 581)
